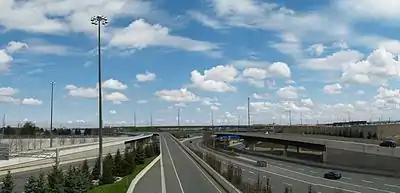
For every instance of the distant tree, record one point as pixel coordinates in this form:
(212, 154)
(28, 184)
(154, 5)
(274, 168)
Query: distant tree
(31, 185)
(77, 132)
(28, 128)
(41, 183)
(55, 181)
(118, 165)
(140, 155)
(361, 134)
(108, 167)
(369, 136)
(96, 170)
(374, 136)
(85, 176)
(128, 162)
(9, 130)
(72, 182)
(149, 151)
(8, 184)
(87, 132)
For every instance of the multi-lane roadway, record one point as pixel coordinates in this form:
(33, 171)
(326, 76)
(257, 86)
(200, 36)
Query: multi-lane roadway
(299, 177)
(180, 173)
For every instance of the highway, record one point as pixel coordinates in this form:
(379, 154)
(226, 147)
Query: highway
(298, 176)
(180, 173)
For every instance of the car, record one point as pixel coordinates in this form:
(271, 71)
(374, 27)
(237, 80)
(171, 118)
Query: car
(388, 143)
(261, 164)
(333, 175)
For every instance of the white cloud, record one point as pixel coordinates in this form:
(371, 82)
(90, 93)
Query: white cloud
(113, 112)
(8, 91)
(332, 89)
(335, 61)
(140, 34)
(5, 60)
(31, 101)
(370, 9)
(147, 76)
(81, 91)
(114, 84)
(260, 96)
(316, 49)
(378, 67)
(288, 92)
(15, 46)
(181, 95)
(116, 97)
(142, 101)
(205, 20)
(360, 92)
(307, 102)
(216, 79)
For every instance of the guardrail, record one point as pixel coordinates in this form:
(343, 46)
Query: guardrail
(207, 168)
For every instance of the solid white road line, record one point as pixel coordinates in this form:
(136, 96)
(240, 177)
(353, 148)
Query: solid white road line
(163, 188)
(173, 166)
(390, 185)
(205, 175)
(313, 172)
(347, 178)
(366, 181)
(252, 172)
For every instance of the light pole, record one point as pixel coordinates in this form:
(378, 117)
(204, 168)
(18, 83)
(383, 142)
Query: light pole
(51, 114)
(99, 21)
(248, 113)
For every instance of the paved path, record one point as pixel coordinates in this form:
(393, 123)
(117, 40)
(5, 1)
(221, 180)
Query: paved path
(151, 181)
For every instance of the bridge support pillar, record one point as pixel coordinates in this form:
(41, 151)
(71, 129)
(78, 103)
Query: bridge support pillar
(325, 156)
(285, 151)
(298, 149)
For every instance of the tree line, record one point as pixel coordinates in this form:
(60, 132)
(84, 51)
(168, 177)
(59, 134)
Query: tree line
(345, 133)
(30, 129)
(82, 179)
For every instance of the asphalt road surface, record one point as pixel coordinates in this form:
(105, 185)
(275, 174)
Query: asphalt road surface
(181, 173)
(299, 177)
(151, 181)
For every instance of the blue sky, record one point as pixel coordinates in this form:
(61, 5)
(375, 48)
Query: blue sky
(321, 60)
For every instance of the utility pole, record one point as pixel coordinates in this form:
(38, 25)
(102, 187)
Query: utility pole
(179, 117)
(4, 126)
(51, 114)
(151, 119)
(248, 113)
(290, 117)
(134, 118)
(301, 118)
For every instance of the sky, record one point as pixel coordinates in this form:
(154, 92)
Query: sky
(308, 61)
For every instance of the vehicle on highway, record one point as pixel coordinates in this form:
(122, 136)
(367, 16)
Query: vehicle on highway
(333, 175)
(261, 164)
(190, 141)
(388, 143)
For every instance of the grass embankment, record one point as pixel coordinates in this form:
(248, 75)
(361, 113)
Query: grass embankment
(122, 185)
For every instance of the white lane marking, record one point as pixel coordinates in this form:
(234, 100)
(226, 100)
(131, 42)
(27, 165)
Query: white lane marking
(216, 187)
(366, 181)
(390, 185)
(301, 169)
(250, 179)
(243, 169)
(163, 189)
(347, 178)
(287, 184)
(173, 166)
(378, 179)
(313, 172)
(251, 172)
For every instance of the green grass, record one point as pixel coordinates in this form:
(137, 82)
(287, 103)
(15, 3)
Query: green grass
(122, 185)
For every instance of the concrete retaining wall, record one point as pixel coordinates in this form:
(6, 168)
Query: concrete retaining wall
(362, 160)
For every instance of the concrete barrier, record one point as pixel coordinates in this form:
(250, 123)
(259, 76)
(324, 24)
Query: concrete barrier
(228, 187)
(141, 174)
